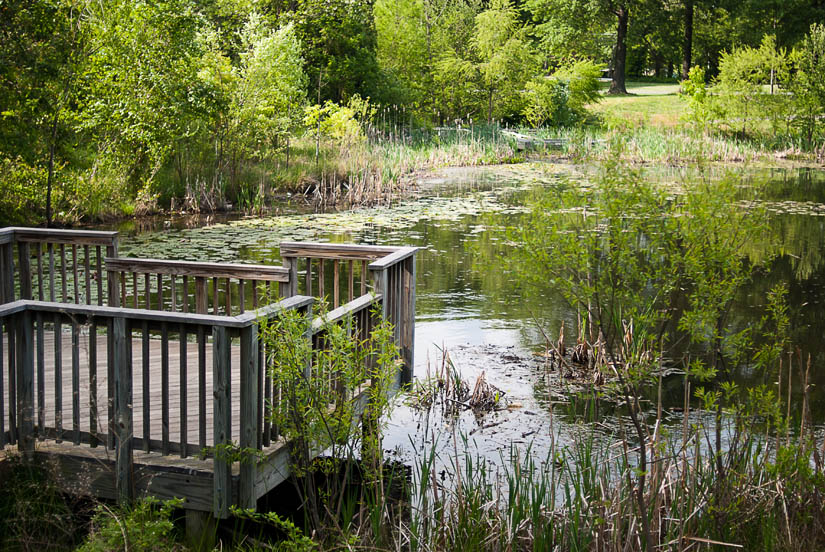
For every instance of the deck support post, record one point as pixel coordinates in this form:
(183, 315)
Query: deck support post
(249, 416)
(25, 383)
(201, 530)
(123, 430)
(407, 320)
(222, 413)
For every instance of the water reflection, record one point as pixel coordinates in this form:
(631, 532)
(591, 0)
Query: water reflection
(465, 305)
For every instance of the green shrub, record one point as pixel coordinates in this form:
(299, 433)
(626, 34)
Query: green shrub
(546, 103)
(146, 525)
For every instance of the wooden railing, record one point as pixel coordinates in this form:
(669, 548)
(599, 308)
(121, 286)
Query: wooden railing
(184, 286)
(159, 407)
(388, 271)
(164, 355)
(64, 266)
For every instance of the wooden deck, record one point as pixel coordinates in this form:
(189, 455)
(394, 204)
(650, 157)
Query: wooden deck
(178, 388)
(146, 376)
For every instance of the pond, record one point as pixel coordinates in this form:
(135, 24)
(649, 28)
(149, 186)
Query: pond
(472, 310)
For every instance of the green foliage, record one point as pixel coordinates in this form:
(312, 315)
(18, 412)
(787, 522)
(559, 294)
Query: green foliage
(547, 103)
(582, 78)
(321, 403)
(293, 540)
(695, 90)
(807, 85)
(748, 78)
(343, 124)
(146, 525)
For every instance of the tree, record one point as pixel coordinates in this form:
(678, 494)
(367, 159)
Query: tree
(339, 47)
(43, 49)
(505, 57)
(141, 91)
(807, 84)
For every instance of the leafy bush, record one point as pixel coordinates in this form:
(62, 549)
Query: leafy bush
(808, 85)
(22, 191)
(146, 525)
(582, 79)
(546, 102)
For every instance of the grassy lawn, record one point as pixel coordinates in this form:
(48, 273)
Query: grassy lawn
(647, 103)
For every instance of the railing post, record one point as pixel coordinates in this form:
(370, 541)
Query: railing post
(381, 284)
(249, 415)
(291, 263)
(123, 430)
(24, 269)
(221, 410)
(111, 278)
(25, 383)
(8, 272)
(407, 321)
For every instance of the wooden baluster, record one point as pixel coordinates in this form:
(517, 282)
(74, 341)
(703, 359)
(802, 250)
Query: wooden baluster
(350, 297)
(228, 297)
(135, 292)
(160, 292)
(88, 274)
(40, 292)
(99, 263)
(75, 275)
(308, 290)
(52, 298)
(264, 383)
(291, 263)
(174, 293)
(202, 382)
(201, 295)
(335, 284)
(58, 378)
(254, 294)
(364, 276)
(25, 384)
(122, 289)
(241, 294)
(64, 282)
(2, 391)
(184, 434)
(76, 382)
(24, 269)
(146, 383)
(93, 402)
(41, 373)
(147, 291)
(185, 293)
(164, 387)
(215, 296)
(321, 278)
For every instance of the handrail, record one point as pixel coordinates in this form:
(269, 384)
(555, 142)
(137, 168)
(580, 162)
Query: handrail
(198, 269)
(334, 250)
(400, 254)
(353, 307)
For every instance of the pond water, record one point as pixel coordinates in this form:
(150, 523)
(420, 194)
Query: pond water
(473, 310)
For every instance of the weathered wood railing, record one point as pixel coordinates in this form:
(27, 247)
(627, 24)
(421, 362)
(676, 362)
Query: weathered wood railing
(135, 417)
(64, 266)
(389, 271)
(165, 358)
(184, 286)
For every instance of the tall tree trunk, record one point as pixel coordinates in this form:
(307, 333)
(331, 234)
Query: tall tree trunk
(620, 52)
(687, 48)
